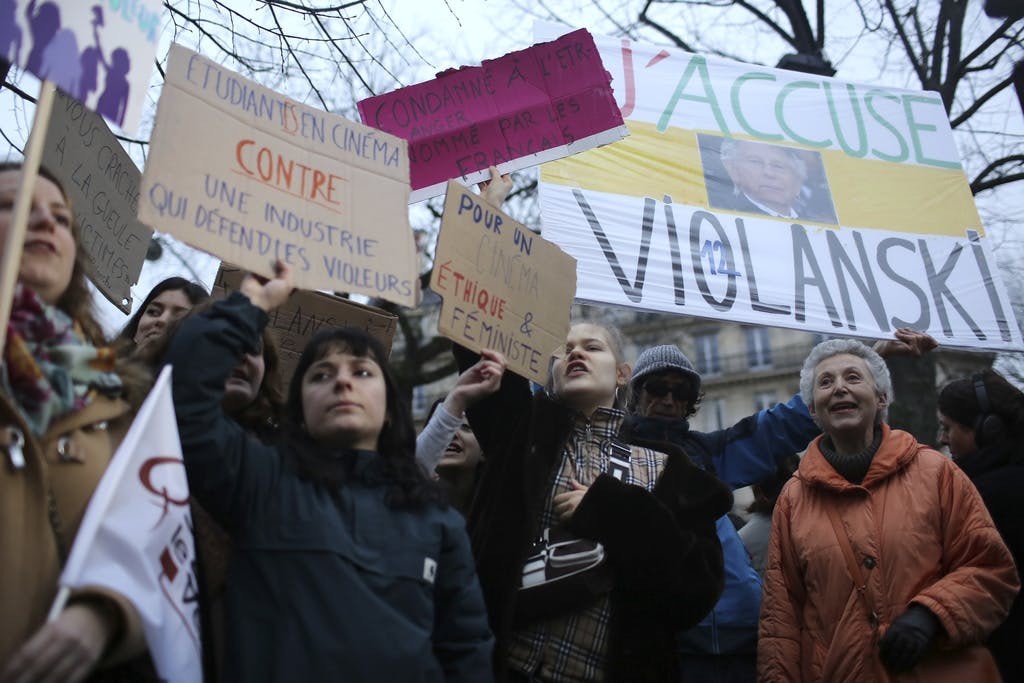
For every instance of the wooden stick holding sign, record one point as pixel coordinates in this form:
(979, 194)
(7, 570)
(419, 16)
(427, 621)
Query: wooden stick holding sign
(14, 241)
(503, 287)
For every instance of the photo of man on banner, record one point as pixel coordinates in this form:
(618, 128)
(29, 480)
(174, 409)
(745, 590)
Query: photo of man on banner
(758, 177)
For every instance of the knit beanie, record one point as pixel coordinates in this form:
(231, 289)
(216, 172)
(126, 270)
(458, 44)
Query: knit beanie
(659, 359)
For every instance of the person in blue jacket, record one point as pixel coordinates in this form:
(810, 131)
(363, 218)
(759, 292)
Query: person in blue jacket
(664, 392)
(347, 563)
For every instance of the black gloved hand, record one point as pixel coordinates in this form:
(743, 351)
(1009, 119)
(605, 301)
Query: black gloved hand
(908, 638)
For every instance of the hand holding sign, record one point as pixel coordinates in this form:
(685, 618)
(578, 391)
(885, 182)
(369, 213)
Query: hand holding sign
(269, 294)
(495, 191)
(480, 380)
(908, 342)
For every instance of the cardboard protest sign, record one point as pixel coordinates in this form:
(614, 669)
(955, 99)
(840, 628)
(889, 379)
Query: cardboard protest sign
(100, 53)
(102, 182)
(306, 313)
(503, 287)
(542, 103)
(777, 198)
(251, 176)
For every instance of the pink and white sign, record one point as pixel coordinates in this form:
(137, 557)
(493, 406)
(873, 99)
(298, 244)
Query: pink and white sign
(543, 103)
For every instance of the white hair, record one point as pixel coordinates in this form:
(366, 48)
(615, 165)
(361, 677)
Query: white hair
(834, 347)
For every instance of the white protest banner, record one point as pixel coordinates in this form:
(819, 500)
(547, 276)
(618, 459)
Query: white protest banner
(777, 198)
(102, 182)
(503, 287)
(251, 176)
(136, 537)
(525, 108)
(294, 323)
(100, 53)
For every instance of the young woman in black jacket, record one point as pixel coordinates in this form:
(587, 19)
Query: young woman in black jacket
(346, 563)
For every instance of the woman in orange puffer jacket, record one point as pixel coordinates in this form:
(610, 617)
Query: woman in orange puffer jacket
(883, 559)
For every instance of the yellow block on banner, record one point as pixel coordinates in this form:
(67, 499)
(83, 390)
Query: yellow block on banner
(653, 164)
(645, 164)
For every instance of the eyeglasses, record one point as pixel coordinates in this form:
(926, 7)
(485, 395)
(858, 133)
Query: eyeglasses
(658, 388)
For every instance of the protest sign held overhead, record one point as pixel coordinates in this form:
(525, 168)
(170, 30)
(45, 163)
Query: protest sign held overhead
(503, 287)
(305, 313)
(136, 538)
(253, 177)
(535, 105)
(777, 198)
(100, 53)
(102, 183)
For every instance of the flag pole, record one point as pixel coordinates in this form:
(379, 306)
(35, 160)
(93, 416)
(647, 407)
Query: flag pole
(58, 604)
(15, 241)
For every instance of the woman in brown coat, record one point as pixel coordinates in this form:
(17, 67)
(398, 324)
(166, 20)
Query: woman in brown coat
(62, 408)
(883, 560)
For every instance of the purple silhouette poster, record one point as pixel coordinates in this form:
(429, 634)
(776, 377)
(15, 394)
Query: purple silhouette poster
(526, 108)
(98, 51)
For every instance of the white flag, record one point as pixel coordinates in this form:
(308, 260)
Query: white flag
(136, 537)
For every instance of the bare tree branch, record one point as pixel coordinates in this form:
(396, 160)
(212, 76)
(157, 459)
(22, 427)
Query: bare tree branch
(644, 18)
(982, 182)
(303, 9)
(980, 101)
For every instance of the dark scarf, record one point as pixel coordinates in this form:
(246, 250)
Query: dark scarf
(854, 467)
(49, 369)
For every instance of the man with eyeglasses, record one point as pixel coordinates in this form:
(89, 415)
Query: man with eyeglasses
(663, 393)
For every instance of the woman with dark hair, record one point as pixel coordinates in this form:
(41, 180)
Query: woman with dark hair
(169, 301)
(346, 562)
(65, 402)
(447, 447)
(981, 421)
(883, 564)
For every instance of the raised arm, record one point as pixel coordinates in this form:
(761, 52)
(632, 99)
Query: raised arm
(480, 380)
(228, 471)
(497, 416)
(751, 449)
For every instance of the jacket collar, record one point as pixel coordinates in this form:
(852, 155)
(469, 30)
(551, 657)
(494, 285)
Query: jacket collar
(895, 452)
(671, 429)
(604, 423)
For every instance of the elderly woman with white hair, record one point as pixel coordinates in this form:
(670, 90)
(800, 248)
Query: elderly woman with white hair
(884, 563)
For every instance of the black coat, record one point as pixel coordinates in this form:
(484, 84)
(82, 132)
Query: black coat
(662, 546)
(1000, 481)
(325, 583)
